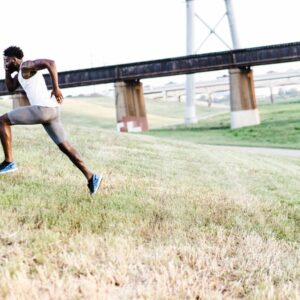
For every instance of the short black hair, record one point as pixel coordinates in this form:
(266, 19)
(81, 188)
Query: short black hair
(14, 51)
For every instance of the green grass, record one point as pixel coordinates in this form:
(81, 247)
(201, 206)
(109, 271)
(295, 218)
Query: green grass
(280, 122)
(173, 220)
(280, 127)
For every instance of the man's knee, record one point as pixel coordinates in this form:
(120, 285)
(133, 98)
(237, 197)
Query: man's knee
(4, 120)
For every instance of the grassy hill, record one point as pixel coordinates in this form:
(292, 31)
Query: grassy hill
(280, 127)
(174, 219)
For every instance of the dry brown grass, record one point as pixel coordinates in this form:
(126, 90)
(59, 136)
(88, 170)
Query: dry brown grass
(212, 266)
(173, 220)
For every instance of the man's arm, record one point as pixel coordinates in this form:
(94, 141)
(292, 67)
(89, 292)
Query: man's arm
(12, 83)
(41, 64)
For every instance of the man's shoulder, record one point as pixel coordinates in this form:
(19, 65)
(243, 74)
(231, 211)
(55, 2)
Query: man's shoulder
(28, 63)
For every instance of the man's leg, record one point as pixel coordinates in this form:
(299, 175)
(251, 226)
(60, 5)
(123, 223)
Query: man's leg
(5, 136)
(94, 180)
(57, 134)
(25, 115)
(74, 156)
(55, 130)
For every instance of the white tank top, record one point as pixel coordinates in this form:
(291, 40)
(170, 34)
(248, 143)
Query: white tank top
(36, 90)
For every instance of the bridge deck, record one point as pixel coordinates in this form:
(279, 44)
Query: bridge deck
(241, 58)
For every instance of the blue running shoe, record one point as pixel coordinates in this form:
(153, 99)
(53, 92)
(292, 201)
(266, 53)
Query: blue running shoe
(94, 183)
(6, 167)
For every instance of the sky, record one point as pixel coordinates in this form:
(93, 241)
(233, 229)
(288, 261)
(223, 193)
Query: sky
(91, 33)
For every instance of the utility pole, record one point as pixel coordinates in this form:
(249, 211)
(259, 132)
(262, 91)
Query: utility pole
(232, 24)
(190, 109)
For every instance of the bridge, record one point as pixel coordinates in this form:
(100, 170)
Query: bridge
(129, 90)
(241, 58)
(209, 87)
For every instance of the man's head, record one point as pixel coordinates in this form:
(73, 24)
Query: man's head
(12, 58)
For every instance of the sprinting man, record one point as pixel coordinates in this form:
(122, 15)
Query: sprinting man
(43, 109)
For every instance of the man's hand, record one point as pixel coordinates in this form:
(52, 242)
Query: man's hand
(12, 83)
(58, 95)
(6, 67)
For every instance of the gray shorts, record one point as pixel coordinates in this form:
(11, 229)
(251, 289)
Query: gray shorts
(49, 117)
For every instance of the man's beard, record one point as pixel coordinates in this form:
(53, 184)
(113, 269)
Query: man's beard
(12, 68)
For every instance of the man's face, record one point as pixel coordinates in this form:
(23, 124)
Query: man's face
(11, 64)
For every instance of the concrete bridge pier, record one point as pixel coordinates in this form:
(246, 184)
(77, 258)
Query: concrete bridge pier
(130, 106)
(242, 94)
(244, 111)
